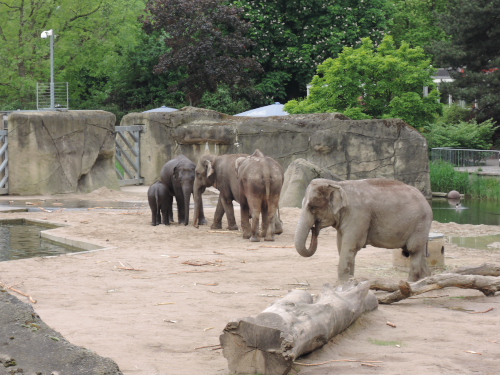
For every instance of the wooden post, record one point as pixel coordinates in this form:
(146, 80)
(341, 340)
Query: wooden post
(292, 326)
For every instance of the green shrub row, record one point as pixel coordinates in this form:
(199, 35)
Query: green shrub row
(445, 178)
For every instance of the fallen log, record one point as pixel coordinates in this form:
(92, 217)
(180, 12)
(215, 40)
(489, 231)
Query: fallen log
(489, 285)
(292, 326)
(485, 269)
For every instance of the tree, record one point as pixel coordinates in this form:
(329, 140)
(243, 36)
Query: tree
(293, 36)
(90, 39)
(455, 129)
(415, 22)
(207, 44)
(472, 53)
(374, 82)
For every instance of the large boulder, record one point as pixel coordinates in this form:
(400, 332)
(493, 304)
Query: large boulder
(53, 152)
(298, 175)
(350, 149)
(29, 346)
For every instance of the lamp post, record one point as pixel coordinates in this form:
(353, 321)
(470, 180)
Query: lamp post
(45, 34)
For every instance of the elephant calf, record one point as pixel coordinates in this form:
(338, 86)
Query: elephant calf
(379, 212)
(157, 199)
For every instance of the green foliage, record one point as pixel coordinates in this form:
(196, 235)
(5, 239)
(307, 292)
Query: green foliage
(482, 187)
(293, 36)
(222, 101)
(453, 114)
(464, 134)
(91, 37)
(207, 43)
(471, 50)
(444, 178)
(374, 82)
(415, 22)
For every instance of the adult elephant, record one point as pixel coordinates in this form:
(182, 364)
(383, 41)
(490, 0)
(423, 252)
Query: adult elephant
(178, 176)
(379, 212)
(220, 172)
(261, 179)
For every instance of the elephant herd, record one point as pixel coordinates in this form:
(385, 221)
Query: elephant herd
(254, 181)
(379, 212)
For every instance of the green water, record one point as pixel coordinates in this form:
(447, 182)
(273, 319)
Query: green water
(21, 241)
(473, 211)
(482, 242)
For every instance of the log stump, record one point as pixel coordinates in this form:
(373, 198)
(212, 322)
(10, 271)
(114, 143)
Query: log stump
(292, 326)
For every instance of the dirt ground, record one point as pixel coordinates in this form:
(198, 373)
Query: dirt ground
(165, 316)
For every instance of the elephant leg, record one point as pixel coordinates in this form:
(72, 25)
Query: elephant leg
(154, 216)
(418, 263)
(255, 226)
(229, 210)
(245, 218)
(162, 213)
(347, 256)
(268, 225)
(219, 213)
(278, 224)
(169, 216)
(201, 217)
(181, 214)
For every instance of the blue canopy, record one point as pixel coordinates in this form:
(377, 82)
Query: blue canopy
(161, 109)
(275, 109)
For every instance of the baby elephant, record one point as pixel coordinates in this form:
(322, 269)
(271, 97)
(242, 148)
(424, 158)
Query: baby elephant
(158, 198)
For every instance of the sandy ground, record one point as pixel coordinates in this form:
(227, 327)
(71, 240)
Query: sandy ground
(162, 317)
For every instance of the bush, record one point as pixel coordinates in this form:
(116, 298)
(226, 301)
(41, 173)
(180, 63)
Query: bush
(444, 178)
(464, 134)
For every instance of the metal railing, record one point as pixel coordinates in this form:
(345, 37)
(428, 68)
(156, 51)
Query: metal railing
(467, 158)
(57, 98)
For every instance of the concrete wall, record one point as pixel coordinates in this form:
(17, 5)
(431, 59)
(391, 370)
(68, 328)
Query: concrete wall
(52, 152)
(350, 149)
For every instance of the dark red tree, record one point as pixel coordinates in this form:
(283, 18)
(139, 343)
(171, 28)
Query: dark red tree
(207, 44)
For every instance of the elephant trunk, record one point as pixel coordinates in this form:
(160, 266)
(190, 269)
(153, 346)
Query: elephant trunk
(306, 224)
(187, 191)
(197, 191)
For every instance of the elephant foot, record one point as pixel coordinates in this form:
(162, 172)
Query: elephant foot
(232, 227)
(202, 221)
(154, 224)
(254, 239)
(269, 238)
(216, 226)
(246, 236)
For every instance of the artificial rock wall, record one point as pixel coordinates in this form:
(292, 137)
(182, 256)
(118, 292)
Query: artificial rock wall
(349, 149)
(53, 152)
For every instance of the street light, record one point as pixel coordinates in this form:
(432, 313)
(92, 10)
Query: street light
(44, 35)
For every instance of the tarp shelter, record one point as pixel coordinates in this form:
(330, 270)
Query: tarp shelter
(275, 109)
(162, 109)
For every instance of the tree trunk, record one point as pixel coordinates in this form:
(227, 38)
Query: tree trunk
(465, 278)
(294, 325)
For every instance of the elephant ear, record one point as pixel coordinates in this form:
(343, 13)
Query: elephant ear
(237, 164)
(209, 168)
(338, 198)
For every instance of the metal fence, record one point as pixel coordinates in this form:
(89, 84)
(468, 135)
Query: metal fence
(467, 158)
(44, 99)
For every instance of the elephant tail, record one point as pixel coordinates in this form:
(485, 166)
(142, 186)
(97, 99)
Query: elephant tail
(158, 202)
(267, 179)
